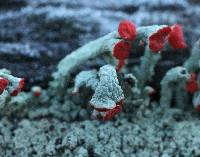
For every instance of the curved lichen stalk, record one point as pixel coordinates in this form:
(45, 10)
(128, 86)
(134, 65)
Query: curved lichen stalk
(173, 79)
(87, 78)
(79, 57)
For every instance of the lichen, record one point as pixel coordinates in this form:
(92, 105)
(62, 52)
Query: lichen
(87, 79)
(173, 78)
(108, 91)
(61, 121)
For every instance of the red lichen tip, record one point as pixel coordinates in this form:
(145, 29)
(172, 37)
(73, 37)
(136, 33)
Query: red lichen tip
(176, 37)
(37, 94)
(36, 91)
(157, 40)
(121, 50)
(192, 85)
(101, 109)
(21, 84)
(127, 30)
(111, 113)
(3, 84)
(14, 93)
(153, 92)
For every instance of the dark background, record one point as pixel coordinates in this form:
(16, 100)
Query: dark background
(36, 34)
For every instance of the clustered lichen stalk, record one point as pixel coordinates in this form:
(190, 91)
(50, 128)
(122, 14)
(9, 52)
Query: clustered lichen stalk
(98, 47)
(110, 89)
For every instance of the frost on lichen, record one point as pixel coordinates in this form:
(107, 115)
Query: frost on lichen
(171, 81)
(108, 91)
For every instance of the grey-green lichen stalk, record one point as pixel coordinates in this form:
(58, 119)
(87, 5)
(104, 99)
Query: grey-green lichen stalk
(173, 78)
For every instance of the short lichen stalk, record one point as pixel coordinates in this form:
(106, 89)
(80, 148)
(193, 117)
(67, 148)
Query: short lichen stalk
(193, 66)
(174, 78)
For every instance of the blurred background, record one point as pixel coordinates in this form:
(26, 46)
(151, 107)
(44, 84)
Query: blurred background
(36, 34)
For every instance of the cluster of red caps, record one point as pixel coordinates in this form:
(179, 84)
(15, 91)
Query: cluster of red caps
(4, 83)
(127, 31)
(172, 34)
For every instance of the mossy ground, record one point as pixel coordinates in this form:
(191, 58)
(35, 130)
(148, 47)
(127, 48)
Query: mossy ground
(150, 132)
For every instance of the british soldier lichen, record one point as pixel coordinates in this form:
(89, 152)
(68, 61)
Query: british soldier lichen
(108, 85)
